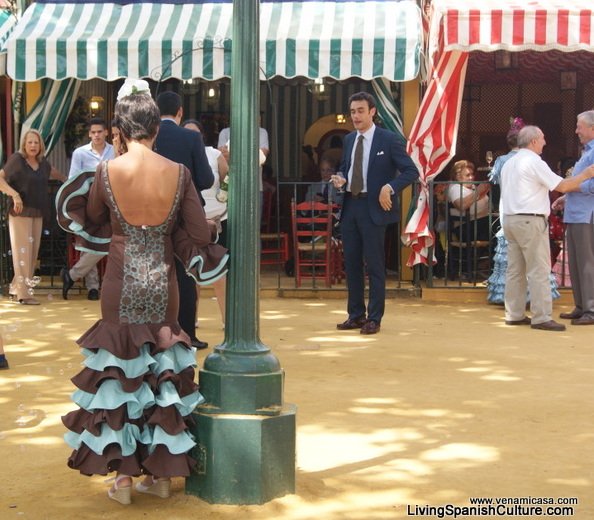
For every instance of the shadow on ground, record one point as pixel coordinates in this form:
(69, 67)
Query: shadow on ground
(447, 403)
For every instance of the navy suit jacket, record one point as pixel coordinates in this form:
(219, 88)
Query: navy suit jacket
(186, 147)
(388, 164)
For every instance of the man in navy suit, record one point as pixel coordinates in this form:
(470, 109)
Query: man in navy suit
(375, 169)
(186, 147)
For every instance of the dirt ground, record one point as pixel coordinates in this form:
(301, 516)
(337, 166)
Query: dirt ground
(447, 403)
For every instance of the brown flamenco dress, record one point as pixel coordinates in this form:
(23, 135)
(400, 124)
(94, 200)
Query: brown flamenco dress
(136, 391)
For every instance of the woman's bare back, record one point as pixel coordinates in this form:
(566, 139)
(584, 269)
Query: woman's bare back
(144, 185)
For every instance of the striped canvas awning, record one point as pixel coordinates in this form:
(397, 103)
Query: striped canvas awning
(7, 23)
(314, 39)
(456, 28)
(513, 25)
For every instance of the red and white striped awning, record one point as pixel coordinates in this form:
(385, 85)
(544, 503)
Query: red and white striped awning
(457, 27)
(490, 25)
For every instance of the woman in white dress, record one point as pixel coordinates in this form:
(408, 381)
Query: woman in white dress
(215, 209)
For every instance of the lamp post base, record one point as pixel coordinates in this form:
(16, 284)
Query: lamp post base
(243, 459)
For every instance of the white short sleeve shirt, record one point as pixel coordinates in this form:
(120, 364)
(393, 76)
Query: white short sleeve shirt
(525, 184)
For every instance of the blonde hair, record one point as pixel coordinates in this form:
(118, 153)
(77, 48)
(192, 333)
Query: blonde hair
(459, 167)
(41, 153)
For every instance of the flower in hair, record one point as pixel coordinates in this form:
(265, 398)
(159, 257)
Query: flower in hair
(516, 123)
(132, 87)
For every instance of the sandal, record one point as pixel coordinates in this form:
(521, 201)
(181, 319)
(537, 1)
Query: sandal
(29, 301)
(121, 494)
(160, 487)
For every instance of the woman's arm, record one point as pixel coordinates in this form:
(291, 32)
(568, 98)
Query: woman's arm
(223, 167)
(464, 203)
(11, 192)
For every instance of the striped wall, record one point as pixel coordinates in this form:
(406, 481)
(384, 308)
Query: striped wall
(288, 110)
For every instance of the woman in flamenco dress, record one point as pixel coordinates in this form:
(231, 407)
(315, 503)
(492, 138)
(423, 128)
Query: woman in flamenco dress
(136, 391)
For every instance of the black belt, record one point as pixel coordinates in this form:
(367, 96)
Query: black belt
(362, 195)
(531, 215)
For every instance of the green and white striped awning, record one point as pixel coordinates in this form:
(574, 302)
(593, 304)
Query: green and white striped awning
(7, 23)
(314, 39)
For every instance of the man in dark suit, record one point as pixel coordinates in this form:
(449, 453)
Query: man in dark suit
(375, 169)
(185, 147)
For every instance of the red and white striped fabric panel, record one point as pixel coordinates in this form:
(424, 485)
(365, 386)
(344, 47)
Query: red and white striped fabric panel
(432, 143)
(489, 25)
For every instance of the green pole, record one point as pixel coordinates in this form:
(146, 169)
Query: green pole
(245, 433)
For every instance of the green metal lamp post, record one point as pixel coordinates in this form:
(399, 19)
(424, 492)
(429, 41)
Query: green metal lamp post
(245, 433)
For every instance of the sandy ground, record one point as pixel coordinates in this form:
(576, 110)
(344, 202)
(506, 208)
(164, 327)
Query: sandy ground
(447, 403)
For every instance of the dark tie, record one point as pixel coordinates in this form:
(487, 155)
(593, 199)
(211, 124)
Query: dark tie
(357, 179)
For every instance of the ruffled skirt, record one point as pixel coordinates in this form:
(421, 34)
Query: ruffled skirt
(135, 394)
(496, 282)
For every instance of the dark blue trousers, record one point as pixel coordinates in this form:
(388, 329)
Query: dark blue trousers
(187, 300)
(363, 243)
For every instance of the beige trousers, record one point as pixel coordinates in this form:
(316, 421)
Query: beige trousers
(25, 237)
(528, 264)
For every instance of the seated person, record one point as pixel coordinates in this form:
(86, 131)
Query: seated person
(468, 201)
(324, 190)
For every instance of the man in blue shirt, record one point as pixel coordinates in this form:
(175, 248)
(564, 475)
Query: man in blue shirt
(579, 217)
(85, 159)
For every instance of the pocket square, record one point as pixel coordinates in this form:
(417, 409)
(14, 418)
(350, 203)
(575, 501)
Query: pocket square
(381, 152)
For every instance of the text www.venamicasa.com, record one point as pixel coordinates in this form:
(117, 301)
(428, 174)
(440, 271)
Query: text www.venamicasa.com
(523, 501)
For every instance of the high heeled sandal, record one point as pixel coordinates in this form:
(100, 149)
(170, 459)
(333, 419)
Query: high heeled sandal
(29, 301)
(120, 494)
(159, 487)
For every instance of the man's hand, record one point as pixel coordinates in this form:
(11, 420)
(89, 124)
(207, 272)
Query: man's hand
(385, 198)
(558, 204)
(338, 180)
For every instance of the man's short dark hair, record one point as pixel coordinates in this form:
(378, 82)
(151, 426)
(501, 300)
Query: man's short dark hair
(363, 96)
(169, 103)
(97, 121)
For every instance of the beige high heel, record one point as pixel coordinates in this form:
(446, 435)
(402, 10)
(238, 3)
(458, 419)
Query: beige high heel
(160, 487)
(120, 494)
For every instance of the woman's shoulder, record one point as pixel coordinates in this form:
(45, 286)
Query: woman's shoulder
(16, 158)
(14, 164)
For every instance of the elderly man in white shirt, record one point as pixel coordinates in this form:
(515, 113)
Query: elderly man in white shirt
(525, 184)
(85, 159)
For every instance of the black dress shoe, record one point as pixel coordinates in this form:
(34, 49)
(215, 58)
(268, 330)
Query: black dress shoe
(549, 325)
(371, 327)
(573, 315)
(93, 295)
(524, 321)
(4, 364)
(199, 345)
(67, 282)
(585, 319)
(352, 323)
